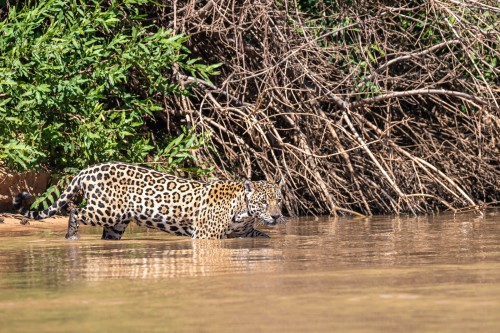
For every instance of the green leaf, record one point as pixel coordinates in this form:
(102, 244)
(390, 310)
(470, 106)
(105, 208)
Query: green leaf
(43, 87)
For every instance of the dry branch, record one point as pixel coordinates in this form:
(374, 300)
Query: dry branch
(359, 114)
(398, 94)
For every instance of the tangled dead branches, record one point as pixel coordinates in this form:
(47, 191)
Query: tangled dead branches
(366, 107)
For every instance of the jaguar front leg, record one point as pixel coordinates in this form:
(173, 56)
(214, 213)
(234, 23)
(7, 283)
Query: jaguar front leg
(255, 233)
(247, 232)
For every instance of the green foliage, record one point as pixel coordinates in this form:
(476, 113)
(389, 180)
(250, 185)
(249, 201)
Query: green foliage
(18, 152)
(172, 157)
(52, 193)
(79, 79)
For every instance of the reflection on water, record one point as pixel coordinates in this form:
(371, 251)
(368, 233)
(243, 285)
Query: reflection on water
(303, 244)
(322, 265)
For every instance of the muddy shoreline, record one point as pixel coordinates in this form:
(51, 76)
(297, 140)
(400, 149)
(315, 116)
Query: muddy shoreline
(12, 222)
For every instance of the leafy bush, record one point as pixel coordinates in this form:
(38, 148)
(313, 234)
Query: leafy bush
(80, 79)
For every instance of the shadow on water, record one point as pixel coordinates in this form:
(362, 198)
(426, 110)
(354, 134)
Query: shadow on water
(317, 274)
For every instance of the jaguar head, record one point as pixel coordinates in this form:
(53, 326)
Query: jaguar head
(265, 201)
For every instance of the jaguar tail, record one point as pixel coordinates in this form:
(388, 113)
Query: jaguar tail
(62, 201)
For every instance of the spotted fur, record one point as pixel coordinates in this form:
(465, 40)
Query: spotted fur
(118, 193)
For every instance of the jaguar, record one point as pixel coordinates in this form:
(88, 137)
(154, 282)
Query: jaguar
(118, 193)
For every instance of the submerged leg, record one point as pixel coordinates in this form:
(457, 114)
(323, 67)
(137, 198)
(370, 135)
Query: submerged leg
(79, 216)
(254, 233)
(75, 218)
(247, 231)
(114, 232)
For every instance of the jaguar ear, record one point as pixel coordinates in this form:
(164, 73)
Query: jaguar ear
(248, 186)
(279, 181)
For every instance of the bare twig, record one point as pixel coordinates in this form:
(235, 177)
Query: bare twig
(393, 109)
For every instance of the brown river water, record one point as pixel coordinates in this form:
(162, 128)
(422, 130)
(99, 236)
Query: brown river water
(381, 274)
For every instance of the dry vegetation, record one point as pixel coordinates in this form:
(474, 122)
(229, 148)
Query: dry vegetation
(370, 108)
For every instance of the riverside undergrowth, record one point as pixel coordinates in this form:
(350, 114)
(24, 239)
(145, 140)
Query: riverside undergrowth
(82, 81)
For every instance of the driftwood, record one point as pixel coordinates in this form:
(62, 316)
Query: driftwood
(361, 117)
